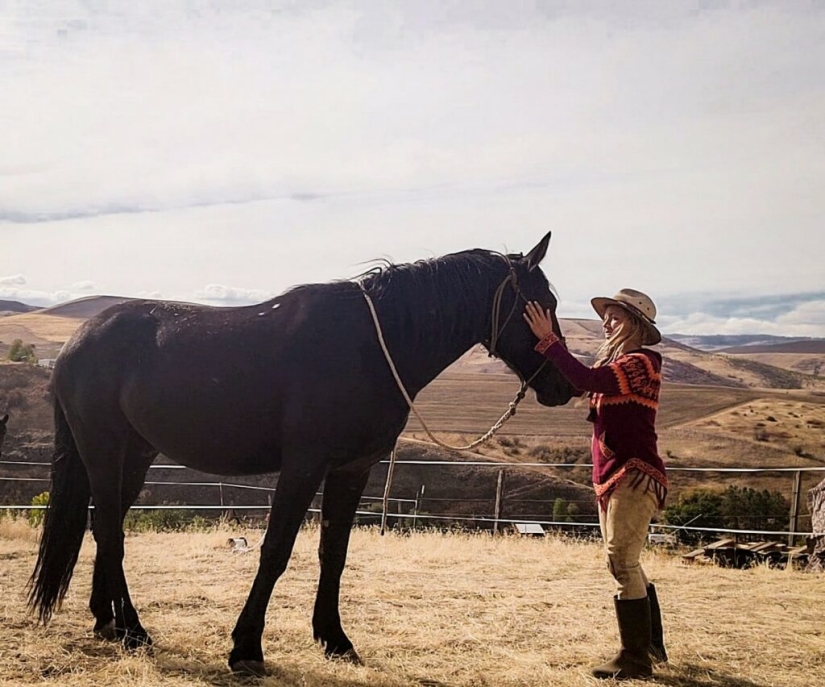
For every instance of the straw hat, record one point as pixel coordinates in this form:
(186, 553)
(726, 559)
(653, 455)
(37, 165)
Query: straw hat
(636, 303)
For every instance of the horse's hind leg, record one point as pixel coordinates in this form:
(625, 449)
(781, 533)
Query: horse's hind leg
(342, 493)
(137, 463)
(299, 480)
(104, 448)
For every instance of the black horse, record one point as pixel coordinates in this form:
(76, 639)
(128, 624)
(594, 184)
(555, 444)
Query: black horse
(298, 384)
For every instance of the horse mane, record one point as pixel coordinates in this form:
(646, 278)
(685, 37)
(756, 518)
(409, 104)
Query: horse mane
(446, 287)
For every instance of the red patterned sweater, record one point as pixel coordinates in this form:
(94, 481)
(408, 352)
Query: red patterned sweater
(624, 397)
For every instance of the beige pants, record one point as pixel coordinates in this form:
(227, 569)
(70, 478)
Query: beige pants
(624, 531)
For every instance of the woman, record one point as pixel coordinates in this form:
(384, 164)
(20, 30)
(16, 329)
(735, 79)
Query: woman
(628, 474)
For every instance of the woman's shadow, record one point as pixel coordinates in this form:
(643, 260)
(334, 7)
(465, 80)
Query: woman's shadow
(691, 675)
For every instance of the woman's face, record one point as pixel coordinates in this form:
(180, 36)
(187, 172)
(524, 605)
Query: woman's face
(614, 317)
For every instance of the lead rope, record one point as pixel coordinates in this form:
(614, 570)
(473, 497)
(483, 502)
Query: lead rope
(511, 408)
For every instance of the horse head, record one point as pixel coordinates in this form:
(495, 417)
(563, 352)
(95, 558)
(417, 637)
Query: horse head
(511, 338)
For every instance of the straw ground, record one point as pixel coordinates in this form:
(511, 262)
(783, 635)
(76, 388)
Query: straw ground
(425, 609)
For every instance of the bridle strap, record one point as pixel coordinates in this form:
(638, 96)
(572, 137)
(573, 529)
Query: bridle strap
(496, 330)
(495, 333)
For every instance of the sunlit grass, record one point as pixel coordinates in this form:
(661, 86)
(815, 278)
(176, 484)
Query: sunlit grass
(423, 609)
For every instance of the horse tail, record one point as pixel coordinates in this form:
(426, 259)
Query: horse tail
(64, 524)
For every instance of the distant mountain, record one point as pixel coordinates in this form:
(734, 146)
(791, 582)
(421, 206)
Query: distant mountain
(15, 307)
(85, 308)
(720, 342)
(812, 346)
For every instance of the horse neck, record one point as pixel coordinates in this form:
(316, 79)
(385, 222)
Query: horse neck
(430, 325)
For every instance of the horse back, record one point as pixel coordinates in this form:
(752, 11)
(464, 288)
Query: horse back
(212, 386)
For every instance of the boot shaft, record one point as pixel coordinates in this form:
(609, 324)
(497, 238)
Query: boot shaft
(657, 635)
(633, 660)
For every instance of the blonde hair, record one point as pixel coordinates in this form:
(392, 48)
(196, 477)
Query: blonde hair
(630, 332)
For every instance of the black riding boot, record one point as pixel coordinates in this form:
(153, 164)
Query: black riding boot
(657, 636)
(633, 660)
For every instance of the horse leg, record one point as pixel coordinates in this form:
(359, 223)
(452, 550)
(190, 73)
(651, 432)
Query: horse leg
(297, 484)
(104, 458)
(342, 493)
(100, 602)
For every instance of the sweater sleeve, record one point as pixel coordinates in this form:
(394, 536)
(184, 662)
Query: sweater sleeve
(602, 380)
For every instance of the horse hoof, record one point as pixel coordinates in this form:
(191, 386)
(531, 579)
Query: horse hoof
(107, 631)
(348, 656)
(137, 642)
(251, 668)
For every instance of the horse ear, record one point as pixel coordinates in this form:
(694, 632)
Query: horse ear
(5, 419)
(535, 256)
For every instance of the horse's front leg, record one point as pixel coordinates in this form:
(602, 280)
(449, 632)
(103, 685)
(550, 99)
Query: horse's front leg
(342, 493)
(300, 478)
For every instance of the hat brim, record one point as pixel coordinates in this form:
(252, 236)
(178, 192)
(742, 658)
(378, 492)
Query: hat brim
(652, 334)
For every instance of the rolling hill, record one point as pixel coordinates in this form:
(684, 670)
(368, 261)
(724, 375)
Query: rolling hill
(14, 307)
(768, 365)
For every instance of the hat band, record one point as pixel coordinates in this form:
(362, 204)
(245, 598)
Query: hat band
(636, 311)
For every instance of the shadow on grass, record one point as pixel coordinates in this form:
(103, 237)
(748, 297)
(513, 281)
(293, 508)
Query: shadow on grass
(691, 675)
(219, 675)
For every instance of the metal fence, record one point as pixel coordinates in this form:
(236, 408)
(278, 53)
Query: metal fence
(423, 511)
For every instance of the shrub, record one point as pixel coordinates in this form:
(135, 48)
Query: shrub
(36, 516)
(22, 353)
(164, 520)
(560, 510)
(564, 454)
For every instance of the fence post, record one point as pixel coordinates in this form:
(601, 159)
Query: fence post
(794, 520)
(418, 498)
(499, 491)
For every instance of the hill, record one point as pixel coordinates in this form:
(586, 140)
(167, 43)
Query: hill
(50, 327)
(721, 342)
(84, 308)
(810, 346)
(14, 307)
(807, 357)
(682, 364)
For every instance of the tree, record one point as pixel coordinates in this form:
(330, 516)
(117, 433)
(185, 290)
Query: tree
(740, 508)
(699, 508)
(744, 508)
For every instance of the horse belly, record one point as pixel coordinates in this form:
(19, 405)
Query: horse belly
(208, 429)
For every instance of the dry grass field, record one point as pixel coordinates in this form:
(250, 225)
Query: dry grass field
(425, 609)
(38, 328)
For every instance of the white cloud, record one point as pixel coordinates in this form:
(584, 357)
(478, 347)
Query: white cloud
(669, 147)
(804, 320)
(219, 294)
(35, 297)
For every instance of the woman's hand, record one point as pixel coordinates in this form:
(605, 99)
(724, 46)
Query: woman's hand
(540, 321)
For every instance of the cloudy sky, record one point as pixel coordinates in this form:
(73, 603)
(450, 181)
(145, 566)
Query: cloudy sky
(221, 152)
